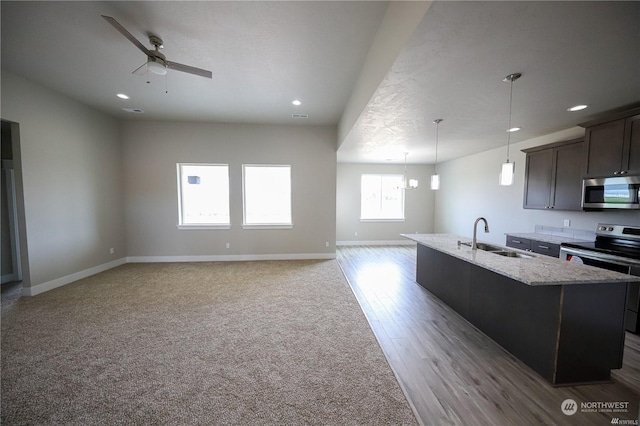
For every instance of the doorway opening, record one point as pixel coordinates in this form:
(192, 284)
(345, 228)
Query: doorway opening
(12, 224)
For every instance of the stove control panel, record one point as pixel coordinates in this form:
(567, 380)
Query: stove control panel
(625, 232)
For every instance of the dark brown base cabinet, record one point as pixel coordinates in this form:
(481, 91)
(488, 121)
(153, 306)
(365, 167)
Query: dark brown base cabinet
(569, 334)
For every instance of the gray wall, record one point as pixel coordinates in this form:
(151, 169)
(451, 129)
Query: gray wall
(470, 189)
(418, 204)
(72, 180)
(152, 149)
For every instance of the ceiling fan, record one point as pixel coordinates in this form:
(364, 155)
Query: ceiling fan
(156, 61)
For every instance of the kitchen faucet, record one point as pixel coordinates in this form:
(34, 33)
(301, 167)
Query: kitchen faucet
(474, 243)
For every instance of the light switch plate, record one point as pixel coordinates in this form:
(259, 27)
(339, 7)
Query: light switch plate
(567, 222)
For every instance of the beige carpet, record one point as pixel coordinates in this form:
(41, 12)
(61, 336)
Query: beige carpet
(274, 342)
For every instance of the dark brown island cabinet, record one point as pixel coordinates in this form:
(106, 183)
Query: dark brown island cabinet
(553, 176)
(569, 334)
(612, 145)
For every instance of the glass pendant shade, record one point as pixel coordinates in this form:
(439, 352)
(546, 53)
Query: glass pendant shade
(507, 174)
(435, 182)
(413, 183)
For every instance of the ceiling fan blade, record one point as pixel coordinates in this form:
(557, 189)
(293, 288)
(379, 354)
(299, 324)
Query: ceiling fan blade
(126, 33)
(191, 70)
(141, 70)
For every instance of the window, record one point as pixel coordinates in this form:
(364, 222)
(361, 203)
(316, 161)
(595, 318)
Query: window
(267, 196)
(203, 196)
(381, 198)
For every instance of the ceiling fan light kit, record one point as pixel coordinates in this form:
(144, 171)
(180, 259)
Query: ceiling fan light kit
(156, 66)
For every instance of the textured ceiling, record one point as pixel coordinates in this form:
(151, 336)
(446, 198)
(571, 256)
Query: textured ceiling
(452, 68)
(264, 54)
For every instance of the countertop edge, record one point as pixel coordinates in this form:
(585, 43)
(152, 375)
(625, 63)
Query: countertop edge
(541, 261)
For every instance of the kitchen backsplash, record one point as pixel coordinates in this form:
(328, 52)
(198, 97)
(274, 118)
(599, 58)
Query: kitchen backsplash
(566, 232)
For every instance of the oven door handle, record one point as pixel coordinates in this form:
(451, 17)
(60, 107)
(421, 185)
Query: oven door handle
(600, 256)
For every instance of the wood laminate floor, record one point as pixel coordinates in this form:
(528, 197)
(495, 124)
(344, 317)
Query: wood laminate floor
(451, 373)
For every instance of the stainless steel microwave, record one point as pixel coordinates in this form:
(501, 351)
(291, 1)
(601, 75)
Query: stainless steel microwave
(620, 192)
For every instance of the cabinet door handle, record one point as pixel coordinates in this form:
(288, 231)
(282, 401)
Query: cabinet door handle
(616, 173)
(623, 172)
(544, 247)
(517, 242)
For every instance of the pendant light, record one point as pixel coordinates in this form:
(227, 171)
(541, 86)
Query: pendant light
(435, 178)
(408, 183)
(509, 168)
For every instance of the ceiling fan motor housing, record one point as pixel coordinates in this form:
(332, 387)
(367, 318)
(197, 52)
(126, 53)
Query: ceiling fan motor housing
(157, 58)
(157, 62)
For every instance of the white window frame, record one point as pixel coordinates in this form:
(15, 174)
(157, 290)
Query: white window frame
(402, 198)
(200, 226)
(246, 225)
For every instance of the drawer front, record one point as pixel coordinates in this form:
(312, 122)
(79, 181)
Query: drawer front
(519, 243)
(547, 249)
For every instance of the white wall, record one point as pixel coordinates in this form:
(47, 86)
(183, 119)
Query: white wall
(418, 204)
(470, 189)
(152, 149)
(72, 179)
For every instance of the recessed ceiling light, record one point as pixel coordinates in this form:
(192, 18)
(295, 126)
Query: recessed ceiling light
(122, 96)
(299, 116)
(296, 102)
(577, 108)
(514, 129)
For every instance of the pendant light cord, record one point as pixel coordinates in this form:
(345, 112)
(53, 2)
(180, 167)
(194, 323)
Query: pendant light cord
(510, 78)
(509, 128)
(437, 123)
(436, 165)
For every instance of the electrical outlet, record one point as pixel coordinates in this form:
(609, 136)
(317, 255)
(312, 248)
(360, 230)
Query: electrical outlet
(228, 245)
(112, 250)
(567, 222)
(326, 244)
(355, 233)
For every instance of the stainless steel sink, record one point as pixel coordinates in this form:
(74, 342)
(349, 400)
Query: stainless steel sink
(500, 251)
(485, 247)
(508, 253)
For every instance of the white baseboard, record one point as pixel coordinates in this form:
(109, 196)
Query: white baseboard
(59, 282)
(231, 257)
(376, 243)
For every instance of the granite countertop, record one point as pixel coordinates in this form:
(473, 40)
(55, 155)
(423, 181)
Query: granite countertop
(548, 238)
(536, 270)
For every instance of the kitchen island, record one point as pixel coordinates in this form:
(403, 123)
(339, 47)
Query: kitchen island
(565, 321)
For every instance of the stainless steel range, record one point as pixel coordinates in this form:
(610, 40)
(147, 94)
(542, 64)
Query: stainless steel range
(617, 248)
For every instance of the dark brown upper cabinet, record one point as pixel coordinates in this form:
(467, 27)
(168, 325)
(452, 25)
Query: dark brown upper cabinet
(553, 176)
(613, 147)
